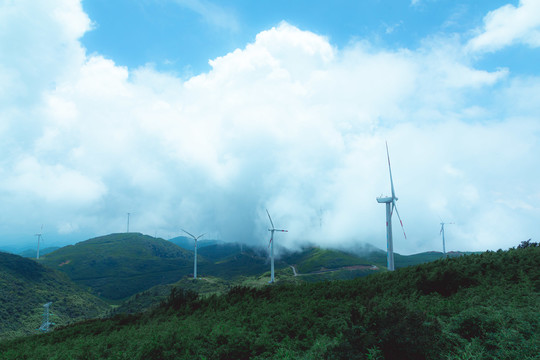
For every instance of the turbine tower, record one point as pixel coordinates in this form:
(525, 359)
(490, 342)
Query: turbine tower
(195, 261)
(442, 233)
(39, 238)
(271, 244)
(128, 222)
(390, 206)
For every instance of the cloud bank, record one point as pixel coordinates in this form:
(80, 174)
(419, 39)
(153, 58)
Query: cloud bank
(289, 123)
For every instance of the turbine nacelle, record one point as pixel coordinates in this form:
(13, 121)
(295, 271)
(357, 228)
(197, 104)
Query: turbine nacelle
(384, 200)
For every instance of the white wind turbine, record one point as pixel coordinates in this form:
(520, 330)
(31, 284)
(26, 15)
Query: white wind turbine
(271, 244)
(390, 206)
(442, 233)
(39, 238)
(195, 261)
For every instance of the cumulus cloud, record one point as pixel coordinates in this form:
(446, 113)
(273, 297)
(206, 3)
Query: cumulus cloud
(290, 123)
(509, 25)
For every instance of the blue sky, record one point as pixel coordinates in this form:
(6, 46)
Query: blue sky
(200, 115)
(181, 36)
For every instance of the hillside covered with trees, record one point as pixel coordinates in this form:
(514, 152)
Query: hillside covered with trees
(481, 306)
(26, 286)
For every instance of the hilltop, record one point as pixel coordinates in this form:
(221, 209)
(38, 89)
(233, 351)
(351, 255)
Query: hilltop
(119, 265)
(482, 306)
(27, 286)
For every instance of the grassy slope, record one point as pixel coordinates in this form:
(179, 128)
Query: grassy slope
(26, 285)
(472, 307)
(119, 265)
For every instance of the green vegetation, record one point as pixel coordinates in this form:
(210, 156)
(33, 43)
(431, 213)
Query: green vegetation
(26, 286)
(482, 306)
(152, 297)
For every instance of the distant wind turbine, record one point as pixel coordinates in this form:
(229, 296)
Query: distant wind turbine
(271, 244)
(389, 211)
(195, 261)
(128, 222)
(39, 238)
(442, 233)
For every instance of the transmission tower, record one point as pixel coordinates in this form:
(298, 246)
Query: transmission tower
(45, 325)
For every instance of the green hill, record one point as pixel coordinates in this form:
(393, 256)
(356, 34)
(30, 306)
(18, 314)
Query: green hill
(117, 266)
(317, 259)
(26, 286)
(479, 307)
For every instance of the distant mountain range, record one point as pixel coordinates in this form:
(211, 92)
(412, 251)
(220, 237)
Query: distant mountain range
(118, 266)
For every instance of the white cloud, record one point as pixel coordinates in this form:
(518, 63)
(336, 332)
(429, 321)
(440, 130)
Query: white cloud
(54, 184)
(509, 25)
(212, 13)
(290, 123)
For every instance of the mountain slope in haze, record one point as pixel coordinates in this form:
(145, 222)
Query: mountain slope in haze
(26, 286)
(188, 243)
(229, 260)
(119, 265)
(32, 253)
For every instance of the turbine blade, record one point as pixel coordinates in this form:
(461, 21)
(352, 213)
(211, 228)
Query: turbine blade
(189, 234)
(390, 171)
(200, 236)
(397, 212)
(271, 222)
(442, 227)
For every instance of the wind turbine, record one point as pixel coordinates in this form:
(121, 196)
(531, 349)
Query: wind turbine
(271, 244)
(195, 261)
(39, 238)
(390, 206)
(442, 233)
